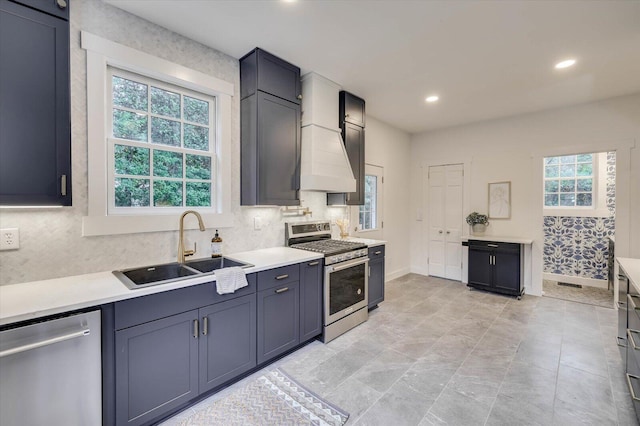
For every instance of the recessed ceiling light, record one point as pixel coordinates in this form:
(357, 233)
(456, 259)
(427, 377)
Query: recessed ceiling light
(432, 98)
(289, 1)
(565, 64)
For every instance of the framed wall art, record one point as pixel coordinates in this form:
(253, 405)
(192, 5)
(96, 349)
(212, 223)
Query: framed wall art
(500, 200)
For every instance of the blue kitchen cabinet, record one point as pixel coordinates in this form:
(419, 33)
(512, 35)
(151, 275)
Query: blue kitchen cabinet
(278, 311)
(228, 341)
(173, 346)
(270, 117)
(376, 275)
(311, 300)
(496, 266)
(351, 120)
(156, 367)
(35, 128)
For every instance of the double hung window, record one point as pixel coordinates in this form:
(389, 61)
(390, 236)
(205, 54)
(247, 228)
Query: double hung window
(161, 145)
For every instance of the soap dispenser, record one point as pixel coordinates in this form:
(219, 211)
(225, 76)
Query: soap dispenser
(216, 245)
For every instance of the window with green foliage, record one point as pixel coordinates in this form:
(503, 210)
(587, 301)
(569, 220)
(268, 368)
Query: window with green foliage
(369, 211)
(162, 145)
(569, 181)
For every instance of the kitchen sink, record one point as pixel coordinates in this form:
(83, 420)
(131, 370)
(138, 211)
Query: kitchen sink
(210, 265)
(147, 276)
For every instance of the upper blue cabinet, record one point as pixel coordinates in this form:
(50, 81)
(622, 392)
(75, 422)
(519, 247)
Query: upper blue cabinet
(35, 128)
(270, 130)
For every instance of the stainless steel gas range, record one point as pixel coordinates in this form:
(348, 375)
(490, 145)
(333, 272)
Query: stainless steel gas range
(346, 281)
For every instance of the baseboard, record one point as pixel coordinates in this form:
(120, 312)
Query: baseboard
(397, 274)
(420, 270)
(589, 282)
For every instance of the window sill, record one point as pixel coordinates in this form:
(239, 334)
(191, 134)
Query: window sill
(576, 212)
(117, 225)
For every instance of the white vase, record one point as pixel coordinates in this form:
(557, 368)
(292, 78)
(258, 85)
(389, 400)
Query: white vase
(478, 228)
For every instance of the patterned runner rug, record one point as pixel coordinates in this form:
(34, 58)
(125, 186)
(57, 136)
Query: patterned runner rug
(272, 399)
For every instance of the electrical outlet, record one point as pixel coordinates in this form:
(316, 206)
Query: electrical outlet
(257, 223)
(10, 239)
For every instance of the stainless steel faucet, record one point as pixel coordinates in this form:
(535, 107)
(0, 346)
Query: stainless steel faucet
(182, 253)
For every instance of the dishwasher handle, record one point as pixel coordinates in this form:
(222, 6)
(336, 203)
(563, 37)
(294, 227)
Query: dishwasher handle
(46, 342)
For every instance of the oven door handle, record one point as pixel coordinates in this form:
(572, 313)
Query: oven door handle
(348, 264)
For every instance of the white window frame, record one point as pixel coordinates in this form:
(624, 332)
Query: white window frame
(599, 207)
(102, 53)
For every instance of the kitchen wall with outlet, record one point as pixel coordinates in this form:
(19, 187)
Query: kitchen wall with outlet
(51, 244)
(512, 149)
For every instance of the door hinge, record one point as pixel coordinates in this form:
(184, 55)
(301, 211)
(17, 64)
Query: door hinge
(382, 224)
(382, 179)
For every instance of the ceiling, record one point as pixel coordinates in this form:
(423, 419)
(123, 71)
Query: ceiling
(485, 59)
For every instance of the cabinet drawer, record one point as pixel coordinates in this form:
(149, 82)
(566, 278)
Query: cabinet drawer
(495, 245)
(148, 308)
(376, 252)
(279, 276)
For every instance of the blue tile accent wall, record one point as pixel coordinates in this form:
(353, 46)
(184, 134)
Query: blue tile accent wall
(578, 246)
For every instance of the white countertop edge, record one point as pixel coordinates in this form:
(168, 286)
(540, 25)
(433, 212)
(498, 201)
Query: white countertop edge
(497, 238)
(631, 268)
(31, 300)
(368, 241)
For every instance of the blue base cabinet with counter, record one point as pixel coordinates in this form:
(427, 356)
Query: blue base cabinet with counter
(172, 348)
(496, 266)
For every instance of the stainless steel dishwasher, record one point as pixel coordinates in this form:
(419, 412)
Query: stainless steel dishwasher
(50, 372)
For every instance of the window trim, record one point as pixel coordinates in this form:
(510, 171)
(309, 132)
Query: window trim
(102, 53)
(599, 209)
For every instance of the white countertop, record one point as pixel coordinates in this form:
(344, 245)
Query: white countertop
(497, 238)
(631, 268)
(25, 301)
(369, 242)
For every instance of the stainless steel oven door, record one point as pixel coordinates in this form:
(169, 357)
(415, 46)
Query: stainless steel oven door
(346, 288)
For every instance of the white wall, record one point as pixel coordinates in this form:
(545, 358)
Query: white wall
(51, 244)
(390, 148)
(511, 149)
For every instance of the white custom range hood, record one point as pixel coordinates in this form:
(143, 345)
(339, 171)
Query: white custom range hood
(324, 162)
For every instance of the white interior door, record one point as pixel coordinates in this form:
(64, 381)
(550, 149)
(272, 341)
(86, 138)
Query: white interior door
(446, 184)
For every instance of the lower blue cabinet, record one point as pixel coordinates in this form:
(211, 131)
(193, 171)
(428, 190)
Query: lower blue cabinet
(228, 341)
(156, 367)
(278, 319)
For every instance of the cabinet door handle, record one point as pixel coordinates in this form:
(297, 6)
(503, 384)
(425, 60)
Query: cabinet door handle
(378, 252)
(63, 185)
(633, 394)
(313, 263)
(299, 96)
(282, 290)
(196, 326)
(448, 232)
(346, 116)
(282, 277)
(492, 245)
(62, 4)
(205, 326)
(440, 231)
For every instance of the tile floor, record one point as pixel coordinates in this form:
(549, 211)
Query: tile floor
(437, 353)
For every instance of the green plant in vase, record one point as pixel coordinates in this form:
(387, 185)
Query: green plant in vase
(478, 222)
